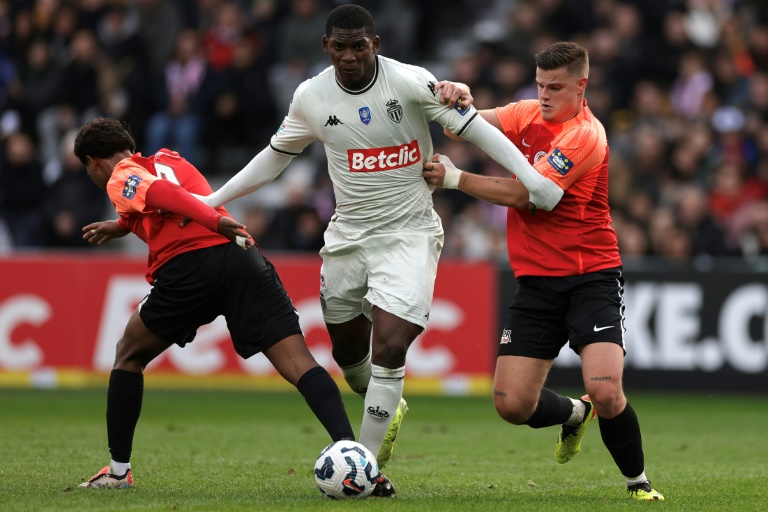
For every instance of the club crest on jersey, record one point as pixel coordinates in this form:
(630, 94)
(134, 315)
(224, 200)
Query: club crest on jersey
(560, 162)
(365, 114)
(394, 111)
(131, 184)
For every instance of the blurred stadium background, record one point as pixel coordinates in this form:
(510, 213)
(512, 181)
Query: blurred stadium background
(681, 87)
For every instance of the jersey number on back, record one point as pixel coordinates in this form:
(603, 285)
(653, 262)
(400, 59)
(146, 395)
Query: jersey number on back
(166, 173)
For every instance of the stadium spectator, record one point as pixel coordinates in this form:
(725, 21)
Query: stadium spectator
(187, 293)
(577, 286)
(159, 24)
(72, 200)
(23, 192)
(38, 88)
(79, 95)
(182, 99)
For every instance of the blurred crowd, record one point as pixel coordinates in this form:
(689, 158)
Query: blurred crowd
(680, 85)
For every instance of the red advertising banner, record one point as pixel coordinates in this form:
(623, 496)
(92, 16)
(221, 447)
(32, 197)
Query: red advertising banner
(65, 313)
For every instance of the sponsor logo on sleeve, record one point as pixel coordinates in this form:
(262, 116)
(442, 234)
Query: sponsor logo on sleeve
(131, 184)
(461, 110)
(505, 336)
(560, 162)
(384, 159)
(365, 115)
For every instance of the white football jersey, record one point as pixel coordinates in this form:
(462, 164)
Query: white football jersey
(376, 141)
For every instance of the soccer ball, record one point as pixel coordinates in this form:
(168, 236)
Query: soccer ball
(346, 469)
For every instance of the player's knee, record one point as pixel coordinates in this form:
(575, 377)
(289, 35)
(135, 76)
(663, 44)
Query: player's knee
(126, 356)
(389, 351)
(608, 400)
(512, 410)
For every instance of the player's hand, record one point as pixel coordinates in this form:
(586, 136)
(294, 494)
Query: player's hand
(235, 232)
(440, 172)
(102, 232)
(186, 220)
(451, 92)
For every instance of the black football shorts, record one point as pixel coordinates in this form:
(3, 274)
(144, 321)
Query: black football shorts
(195, 287)
(548, 312)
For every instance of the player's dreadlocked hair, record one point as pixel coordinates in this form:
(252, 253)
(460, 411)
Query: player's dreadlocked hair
(352, 17)
(102, 138)
(564, 54)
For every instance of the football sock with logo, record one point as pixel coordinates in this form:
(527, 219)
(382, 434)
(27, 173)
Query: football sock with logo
(621, 435)
(126, 390)
(552, 409)
(358, 375)
(322, 395)
(381, 401)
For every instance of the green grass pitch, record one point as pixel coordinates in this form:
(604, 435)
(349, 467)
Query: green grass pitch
(239, 451)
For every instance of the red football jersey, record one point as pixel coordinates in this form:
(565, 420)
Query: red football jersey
(127, 188)
(576, 236)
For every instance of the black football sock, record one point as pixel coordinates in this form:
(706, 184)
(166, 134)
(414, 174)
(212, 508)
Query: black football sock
(126, 390)
(621, 436)
(552, 409)
(324, 398)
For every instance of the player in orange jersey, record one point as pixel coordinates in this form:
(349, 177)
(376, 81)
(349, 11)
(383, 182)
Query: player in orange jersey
(567, 265)
(197, 274)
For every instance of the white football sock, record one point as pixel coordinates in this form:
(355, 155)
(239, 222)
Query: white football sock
(384, 393)
(577, 416)
(119, 468)
(358, 375)
(637, 480)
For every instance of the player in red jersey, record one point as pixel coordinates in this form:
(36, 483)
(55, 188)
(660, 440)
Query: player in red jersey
(567, 265)
(196, 274)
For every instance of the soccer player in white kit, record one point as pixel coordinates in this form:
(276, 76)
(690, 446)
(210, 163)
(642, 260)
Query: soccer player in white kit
(383, 243)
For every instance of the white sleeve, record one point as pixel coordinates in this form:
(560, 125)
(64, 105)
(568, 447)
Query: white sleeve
(452, 117)
(262, 169)
(544, 193)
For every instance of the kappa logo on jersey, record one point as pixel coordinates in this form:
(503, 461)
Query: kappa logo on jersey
(560, 162)
(131, 184)
(333, 121)
(365, 114)
(431, 86)
(505, 336)
(394, 111)
(384, 159)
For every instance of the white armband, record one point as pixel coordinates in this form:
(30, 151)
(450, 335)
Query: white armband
(262, 169)
(543, 192)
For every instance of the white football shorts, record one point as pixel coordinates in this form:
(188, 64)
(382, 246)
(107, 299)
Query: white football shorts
(394, 271)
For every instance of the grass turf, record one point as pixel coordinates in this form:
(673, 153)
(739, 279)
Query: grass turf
(232, 451)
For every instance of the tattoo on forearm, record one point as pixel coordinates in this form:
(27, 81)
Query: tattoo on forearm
(499, 393)
(600, 378)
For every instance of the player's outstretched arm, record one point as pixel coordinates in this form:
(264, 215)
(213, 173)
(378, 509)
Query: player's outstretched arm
(165, 195)
(544, 193)
(440, 172)
(102, 232)
(262, 169)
